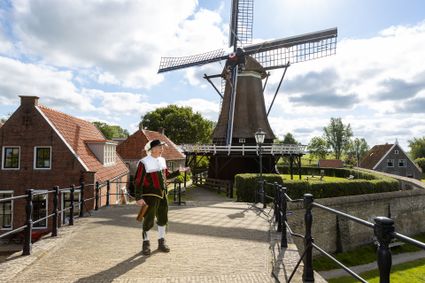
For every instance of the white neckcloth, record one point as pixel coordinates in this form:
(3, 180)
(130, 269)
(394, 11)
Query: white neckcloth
(153, 164)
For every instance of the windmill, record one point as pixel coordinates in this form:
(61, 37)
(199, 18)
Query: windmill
(243, 109)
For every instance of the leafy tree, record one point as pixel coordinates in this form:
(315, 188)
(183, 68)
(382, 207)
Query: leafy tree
(289, 139)
(318, 147)
(421, 163)
(111, 131)
(337, 136)
(417, 147)
(181, 124)
(356, 150)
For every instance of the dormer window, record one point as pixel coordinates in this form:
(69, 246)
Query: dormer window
(105, 151)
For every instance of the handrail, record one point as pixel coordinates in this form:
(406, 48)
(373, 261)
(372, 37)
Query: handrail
(383, 229)
(55, 212)
(265, 148)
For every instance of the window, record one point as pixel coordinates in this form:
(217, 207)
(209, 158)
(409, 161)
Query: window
(396, 151)
(390, 162)
(109, 154)
(6, 209)
(402, 163)
(11, 157)
(39, 211)
(42, 157)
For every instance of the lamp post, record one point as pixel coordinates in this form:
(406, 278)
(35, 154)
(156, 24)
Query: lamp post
(259, 139)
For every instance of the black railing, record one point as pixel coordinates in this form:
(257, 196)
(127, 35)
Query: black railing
(383, 229)
(55, 212)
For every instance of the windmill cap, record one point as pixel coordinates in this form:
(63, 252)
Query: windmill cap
(153, 143)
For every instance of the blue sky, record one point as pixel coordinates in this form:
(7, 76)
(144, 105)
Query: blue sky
(98, 60)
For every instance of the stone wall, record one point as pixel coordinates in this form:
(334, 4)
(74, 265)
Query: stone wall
(407, 208)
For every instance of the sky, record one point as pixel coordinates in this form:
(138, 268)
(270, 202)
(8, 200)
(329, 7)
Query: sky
(98, 60)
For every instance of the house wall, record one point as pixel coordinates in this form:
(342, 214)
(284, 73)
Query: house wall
(27, 128)
(406, 208)
(409, 171)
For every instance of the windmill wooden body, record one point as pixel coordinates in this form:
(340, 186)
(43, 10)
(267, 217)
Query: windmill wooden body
(243, 109)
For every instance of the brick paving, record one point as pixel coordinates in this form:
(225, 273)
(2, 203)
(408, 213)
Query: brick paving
(211, 240)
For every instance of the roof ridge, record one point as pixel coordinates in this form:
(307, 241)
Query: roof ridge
(62, 113)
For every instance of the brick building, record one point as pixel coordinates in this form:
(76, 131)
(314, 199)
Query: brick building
(132, 150)
(391, 158)
(42, 148)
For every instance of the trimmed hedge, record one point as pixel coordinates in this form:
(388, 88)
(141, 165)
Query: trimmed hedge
(245, 184)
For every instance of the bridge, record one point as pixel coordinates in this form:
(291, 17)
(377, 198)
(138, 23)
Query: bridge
(211, 238)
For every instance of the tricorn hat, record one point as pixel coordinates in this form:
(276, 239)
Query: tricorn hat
(151, 144)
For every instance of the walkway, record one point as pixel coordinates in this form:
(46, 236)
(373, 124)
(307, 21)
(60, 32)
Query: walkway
(212, 240)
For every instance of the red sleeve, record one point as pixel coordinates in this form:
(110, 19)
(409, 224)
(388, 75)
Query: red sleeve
(139, 173)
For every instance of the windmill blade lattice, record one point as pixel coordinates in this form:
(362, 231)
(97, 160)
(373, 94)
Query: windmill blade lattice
(276, 54)
(175, 63)
(241, 20)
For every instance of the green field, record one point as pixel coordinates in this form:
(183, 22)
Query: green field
(409, 272)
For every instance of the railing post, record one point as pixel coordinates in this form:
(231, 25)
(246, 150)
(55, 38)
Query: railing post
(308, 273)
(263, 193)
(276, 205)
(96, 203)
(180, 193)
(71, 210)
(55, 211)
(28, 229)
(383, 229)
(82, 199)
(283, 205)
(108, 188)
(175, 191)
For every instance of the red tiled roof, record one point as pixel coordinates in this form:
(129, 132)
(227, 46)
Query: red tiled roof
(330, 163)
(133, 146)
(76, 133)
(374, 155)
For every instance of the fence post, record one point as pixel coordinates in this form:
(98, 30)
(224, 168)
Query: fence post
(263, 191)
(82, 199)
(276, 204)
(108, 188)
(308, 273)
(28, 229)
(383, 229)
(283, 206)
(96, 203)
(71, 210)
(55, 211)
(180, 193)
(175, 191)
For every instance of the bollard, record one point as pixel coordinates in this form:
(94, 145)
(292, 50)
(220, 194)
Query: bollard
(96, 205)
(82, 199)
(71, 210)
(28, 229)
(55, 211)
(308, 274)
(384, 229)
(283, 219)
(108, 188)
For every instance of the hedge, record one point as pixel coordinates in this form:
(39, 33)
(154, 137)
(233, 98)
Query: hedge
(246, 183)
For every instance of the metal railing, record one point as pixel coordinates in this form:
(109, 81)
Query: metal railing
(383, 230)
(55, 213)
(245, 149)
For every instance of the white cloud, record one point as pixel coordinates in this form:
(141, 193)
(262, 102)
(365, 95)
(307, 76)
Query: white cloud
(208, 109)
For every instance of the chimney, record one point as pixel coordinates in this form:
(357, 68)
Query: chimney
(29, 101)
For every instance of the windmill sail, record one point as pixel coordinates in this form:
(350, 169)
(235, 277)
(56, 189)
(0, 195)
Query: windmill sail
(241, 19)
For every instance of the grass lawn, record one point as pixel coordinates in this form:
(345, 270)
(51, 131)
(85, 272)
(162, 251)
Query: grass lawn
(408, 272)
(362, 255)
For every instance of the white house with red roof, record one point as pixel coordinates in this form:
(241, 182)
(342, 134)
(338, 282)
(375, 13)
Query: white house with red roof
(42, 148)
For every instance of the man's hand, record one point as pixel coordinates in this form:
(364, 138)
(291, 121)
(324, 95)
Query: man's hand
(141, 202)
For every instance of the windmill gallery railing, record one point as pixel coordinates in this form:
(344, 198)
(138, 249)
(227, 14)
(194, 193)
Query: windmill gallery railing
(57, 213)
(245, 149)
(383, 229)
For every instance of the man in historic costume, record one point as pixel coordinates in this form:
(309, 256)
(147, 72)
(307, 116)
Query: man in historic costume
(151, 189)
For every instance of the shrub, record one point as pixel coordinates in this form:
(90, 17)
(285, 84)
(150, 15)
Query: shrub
(421, 163)
(365, 183)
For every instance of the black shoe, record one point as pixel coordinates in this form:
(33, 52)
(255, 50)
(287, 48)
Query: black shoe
(162, 246)
(146, 249)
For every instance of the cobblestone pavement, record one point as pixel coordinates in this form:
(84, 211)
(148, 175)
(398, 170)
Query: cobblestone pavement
(211, 240)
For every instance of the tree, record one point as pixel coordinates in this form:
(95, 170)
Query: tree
(417, 147)
(289, 139)
(357, 149)
(111, 131)
(181, 124)
(337, 136)
(318, 147)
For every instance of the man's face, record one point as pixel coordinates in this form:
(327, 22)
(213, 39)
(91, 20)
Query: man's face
(157, 150)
